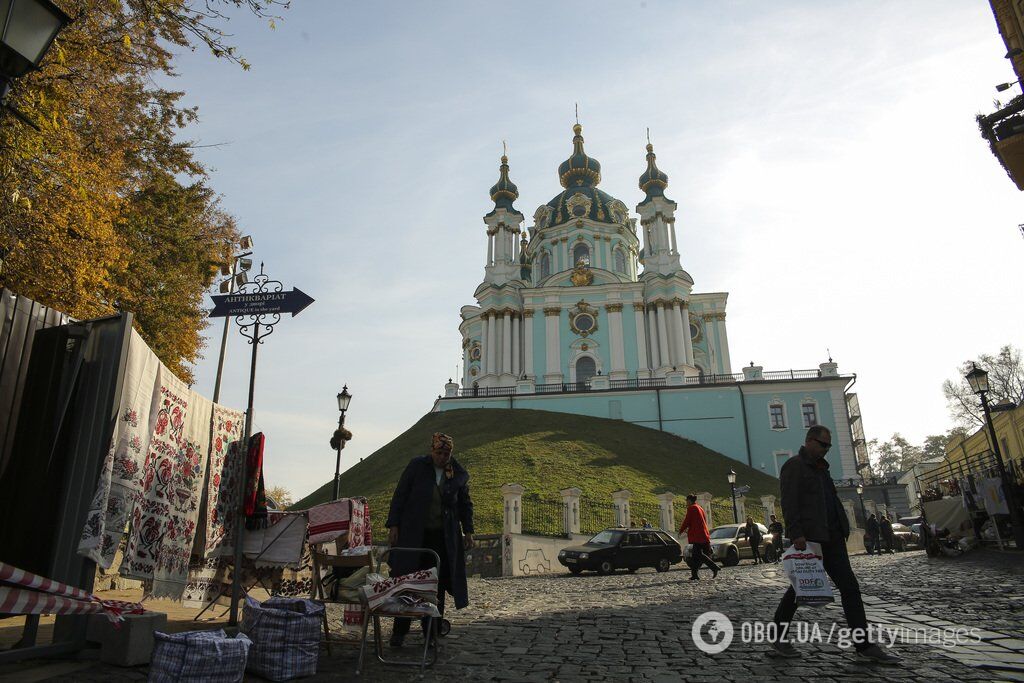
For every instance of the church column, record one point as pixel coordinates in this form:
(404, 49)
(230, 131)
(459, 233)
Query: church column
(641, 339)
(515, 344)
(652, 325)
(490, 248)
(492, 342)
(671, 225)
(659, 312)
(684, 325)
(723, 342)
(616, 341)
(674, 343)
(553, 371)
(506, 342)
(709, 337)
(528, 342)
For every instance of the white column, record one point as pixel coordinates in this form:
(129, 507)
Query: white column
(553, 370)
(684, 322)
(668, 511)
(769, 508)
(641, 337)
(490, 248)
(652, 325)
(659, 312)
(528, 342)
(513, 495)
(741, 508)
(675, 322)
(704, 501)
(492, 342)
(515, 344)
(571, 509)
(672, 333)
(506, 342)
(620, 499)
(671, 227)
(567, 255)
(618, 346)
(485, 343)
(723, 342)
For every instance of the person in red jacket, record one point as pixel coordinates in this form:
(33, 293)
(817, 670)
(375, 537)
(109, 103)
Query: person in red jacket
(695, 525)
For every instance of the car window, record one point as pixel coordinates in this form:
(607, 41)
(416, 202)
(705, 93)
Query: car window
(650, 538)
(665, 538)
(724, 532)
(763, 528)
(607, 536)
(632, 539)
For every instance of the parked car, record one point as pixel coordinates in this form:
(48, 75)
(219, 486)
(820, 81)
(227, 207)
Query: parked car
(905, 537)
(627, 549)
(730, 545)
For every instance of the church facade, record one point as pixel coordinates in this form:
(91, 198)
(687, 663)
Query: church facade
(590, 311)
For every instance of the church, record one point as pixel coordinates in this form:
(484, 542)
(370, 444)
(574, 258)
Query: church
(590, 311)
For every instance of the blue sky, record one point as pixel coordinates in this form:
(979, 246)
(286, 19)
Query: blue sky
(824, 156)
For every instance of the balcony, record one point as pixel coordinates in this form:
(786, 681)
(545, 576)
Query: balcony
(1004, 131)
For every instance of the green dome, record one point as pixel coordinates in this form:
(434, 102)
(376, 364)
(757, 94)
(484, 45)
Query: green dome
(653, 181)
(579, 170)
(585, 202)
(504, 192)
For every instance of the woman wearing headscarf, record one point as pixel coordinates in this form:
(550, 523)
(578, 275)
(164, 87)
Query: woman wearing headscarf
(431, 508)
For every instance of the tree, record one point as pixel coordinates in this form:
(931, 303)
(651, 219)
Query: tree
(1006, 381)
(895, 456)
(105, 183)
(281, 496)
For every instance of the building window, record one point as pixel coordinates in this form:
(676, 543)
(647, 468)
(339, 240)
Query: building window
(620, 261)
(585, 369)
(777, 415)
(810, 413)
(545, 265)
(581, 252)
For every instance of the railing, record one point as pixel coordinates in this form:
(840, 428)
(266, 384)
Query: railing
(637, 383)
(543, 517)
(722, 513)
(640, 511)
(867, 481)
(596, 516)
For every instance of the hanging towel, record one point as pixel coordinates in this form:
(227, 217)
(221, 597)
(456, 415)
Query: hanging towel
(255, 495)
(120, 481)
(164, 522)
(226, 430)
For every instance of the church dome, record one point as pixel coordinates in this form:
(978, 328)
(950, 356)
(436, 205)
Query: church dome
(579, 169)
(504, 192)
(653, 181)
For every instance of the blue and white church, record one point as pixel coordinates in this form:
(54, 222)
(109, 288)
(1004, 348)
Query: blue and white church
(590, 311)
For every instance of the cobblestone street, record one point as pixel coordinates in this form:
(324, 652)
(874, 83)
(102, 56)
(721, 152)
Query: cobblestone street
(638, 627)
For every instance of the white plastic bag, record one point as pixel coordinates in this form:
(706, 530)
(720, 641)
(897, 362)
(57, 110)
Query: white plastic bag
(807, 575)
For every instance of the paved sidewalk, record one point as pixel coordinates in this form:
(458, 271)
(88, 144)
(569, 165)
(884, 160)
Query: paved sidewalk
(638, 627)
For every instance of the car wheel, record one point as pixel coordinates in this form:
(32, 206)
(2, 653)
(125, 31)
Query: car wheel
(605, 567)
(575, 571)
(663, 565)
(732, 557)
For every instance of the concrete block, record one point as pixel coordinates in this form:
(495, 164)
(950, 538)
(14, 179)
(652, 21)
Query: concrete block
(129, 645)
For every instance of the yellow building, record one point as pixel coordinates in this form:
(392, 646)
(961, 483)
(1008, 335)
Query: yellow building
(962, 452)
(1004, 129)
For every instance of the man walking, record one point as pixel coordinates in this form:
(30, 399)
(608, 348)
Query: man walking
(813, 513)
(775, 529)
(695, 525)
(752, 533)
(874, 532)
(430, 504)
(886, 528)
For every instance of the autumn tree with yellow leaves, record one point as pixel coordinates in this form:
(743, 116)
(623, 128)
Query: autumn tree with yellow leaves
(105, 208)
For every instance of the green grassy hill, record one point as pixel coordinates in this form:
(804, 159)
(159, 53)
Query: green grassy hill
(546, 452)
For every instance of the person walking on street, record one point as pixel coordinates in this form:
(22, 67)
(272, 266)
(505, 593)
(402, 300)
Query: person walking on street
(813, 512)
(752, 532)
(777, 532)
(428, 507)
(874, 532)
(887, 535)
(695, 526)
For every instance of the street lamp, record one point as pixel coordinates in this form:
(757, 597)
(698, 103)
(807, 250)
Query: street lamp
(978, 379)
(340, 437)
(27, 29)
(863, 510)
(732, 485)
(236, 277)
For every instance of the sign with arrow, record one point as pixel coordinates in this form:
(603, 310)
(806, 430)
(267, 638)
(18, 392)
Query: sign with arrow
(260, 303)
(742, 490)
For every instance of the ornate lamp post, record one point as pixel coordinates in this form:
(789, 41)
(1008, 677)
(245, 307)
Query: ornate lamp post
(236, 273)
(27, 29)
(341, 435)
(732, 486)
(863, 510)
(978, 379)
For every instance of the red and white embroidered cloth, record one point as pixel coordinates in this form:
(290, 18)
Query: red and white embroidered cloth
(34, 594)
(328, 521)
(420, 586)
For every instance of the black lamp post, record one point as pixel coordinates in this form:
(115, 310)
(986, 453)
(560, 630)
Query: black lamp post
(863, 510)
(978, 379)
(344, 398)
(732, 485)
(27, 29)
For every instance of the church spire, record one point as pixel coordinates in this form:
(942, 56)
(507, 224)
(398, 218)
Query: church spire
(579, 169)
(504, 192)
(653, 181)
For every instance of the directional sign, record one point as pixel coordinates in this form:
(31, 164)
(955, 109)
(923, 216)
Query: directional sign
(260, 303)
(742, 490)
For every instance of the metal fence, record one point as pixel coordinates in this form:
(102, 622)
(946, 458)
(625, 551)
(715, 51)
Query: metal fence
(596, 516)
(722, 513)
(543, 517)
(643, 510)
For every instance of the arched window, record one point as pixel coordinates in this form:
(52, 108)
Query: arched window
(585, 369)
(581, 252)
(620, 261)
(545, 265)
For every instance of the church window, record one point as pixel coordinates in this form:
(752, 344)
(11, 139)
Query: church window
(585, 369)
(584, 322)
(777, 415)
(581, 252)
(694, 331)
(620, 261)
(545, 265)
(810, 413)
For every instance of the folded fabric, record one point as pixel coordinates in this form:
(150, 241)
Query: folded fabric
(420, 584)
(30, 593)
(330, 520)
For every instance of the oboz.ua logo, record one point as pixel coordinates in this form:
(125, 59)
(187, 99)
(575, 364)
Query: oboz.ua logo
(712, 632)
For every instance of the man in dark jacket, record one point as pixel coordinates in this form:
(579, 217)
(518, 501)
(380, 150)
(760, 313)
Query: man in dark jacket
(813, 513)
(777, 532)
(885, 526)
(430, 504)
(752, 533)
(874, 535)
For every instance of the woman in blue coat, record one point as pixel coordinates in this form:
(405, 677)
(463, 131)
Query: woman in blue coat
(431, 508)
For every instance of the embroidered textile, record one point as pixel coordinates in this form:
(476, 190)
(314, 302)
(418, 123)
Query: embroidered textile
(255, 494)
(120, 480)
(226, 431)
(330, 520)
(221, 531)
(420, 585)
(164, 521)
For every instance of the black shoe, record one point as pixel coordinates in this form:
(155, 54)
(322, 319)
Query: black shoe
(714, 573)
(694, 578)
(876, 654)
(783, 649)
